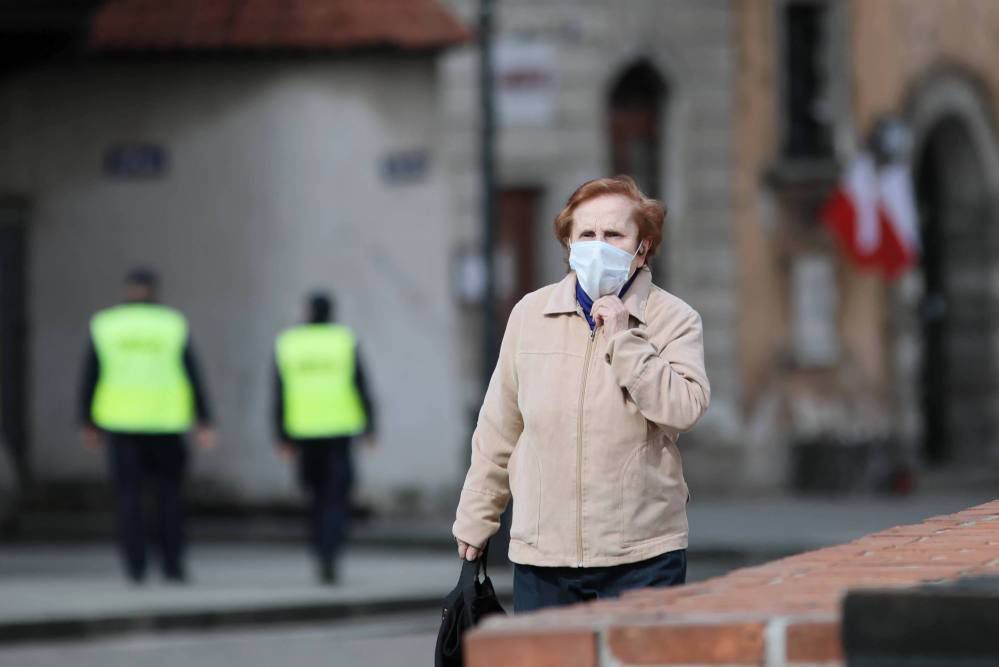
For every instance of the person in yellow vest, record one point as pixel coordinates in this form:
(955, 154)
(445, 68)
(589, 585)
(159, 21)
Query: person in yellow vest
(321, 403)
(142, 392)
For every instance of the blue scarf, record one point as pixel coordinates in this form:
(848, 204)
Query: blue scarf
(586, 303)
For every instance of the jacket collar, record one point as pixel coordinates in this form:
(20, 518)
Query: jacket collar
(563, 297)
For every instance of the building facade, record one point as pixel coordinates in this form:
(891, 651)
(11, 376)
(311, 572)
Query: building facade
(910, 362)
(357, 167)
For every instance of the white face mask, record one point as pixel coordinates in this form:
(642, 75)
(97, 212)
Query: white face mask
(601, 268)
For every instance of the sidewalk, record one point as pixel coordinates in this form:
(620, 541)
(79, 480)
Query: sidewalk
(61, 590)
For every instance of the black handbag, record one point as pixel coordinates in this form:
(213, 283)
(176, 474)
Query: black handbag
(466, 605)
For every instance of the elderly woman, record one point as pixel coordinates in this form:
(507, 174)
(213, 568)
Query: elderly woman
(597, 377)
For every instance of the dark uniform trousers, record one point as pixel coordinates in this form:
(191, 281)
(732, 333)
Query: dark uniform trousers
(159, 462)
(326, 472)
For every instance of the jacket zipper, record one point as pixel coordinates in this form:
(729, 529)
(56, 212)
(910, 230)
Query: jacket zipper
(579, 452)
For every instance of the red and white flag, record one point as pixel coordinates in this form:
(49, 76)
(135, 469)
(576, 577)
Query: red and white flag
(873, 215)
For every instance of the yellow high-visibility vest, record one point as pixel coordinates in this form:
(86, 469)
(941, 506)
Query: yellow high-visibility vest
(317, 364)
(143, 386)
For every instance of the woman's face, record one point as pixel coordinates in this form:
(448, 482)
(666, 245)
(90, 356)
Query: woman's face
(608, 218)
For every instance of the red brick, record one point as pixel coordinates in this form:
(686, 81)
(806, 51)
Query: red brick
(879, 541)
(957, 541)
(717, 644)
(673, 592)
(928, 555)
(554, 649)
(977, 528)
(833, 554)
(814, 642)
(913, 531)
(170, 25)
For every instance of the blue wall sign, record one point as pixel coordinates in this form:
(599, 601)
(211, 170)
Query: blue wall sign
(136, 161)
(406, 166)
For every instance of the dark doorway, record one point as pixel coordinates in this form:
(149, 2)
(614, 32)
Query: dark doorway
(636, 106)
(13, 334)
(958, 376)
(805, 60)
(515, 258)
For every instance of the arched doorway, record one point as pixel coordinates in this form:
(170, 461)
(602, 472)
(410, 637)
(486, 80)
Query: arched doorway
(959, 379)
(637, 102)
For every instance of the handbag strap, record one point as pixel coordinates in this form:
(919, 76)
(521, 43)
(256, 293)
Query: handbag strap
(470, 578)
(484, 559)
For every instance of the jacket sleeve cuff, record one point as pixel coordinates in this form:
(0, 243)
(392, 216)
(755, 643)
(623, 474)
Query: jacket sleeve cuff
(477, 519)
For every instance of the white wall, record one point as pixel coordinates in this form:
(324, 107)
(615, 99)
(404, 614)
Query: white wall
(274, 188)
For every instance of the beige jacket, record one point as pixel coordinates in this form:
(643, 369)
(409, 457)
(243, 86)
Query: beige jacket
(581, 431)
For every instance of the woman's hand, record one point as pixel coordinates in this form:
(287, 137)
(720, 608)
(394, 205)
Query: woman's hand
(467, 551)
(610, 313)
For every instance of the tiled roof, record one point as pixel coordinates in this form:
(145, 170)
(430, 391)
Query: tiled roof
(261, 25)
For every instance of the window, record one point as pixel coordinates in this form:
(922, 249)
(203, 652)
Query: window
(806, 60)
(636, 105)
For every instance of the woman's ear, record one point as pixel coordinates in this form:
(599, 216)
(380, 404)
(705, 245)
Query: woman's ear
(643, 253)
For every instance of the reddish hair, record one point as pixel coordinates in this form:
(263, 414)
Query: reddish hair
(649, 214)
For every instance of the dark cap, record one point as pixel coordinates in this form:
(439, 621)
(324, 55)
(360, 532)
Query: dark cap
(141, 275)
(320, 306)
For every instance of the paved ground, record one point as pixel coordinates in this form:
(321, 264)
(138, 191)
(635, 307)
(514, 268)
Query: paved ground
(63, 582)
(398, 640)
(386, 639)
(73, 588)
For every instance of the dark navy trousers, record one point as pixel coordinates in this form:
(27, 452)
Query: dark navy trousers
(539, 587)
(326, 472)
(139, 462)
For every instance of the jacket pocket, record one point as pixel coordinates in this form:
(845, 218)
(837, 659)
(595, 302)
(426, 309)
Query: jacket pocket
(525, 489)
(675, 450)
(651, 493)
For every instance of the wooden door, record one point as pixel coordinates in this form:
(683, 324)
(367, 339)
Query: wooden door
(515, 248)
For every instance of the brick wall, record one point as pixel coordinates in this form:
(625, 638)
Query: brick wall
(781, 614)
